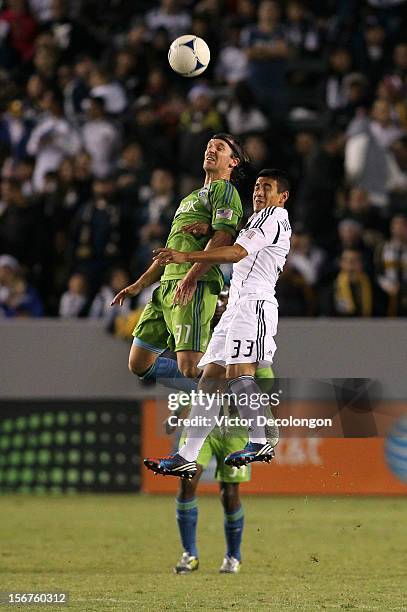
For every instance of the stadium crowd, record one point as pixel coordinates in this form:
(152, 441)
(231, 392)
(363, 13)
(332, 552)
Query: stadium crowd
(99, 140)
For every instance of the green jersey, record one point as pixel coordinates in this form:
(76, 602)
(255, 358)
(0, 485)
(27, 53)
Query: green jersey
(219, 205)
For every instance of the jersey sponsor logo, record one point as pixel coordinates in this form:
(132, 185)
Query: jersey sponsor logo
(186, 207)
(224, 214)
(250, 234)
(286, 225)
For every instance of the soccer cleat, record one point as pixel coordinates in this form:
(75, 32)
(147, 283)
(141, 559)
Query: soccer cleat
(230, 565)
(186, 564)
(251, 452)
(173, 465)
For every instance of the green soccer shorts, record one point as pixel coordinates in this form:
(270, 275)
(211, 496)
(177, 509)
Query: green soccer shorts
(220, 445)
(165, 325)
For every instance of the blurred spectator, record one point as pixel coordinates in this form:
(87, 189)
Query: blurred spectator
(17, 297)
(42, 9)
(73, 92)
(301, 153)
(335, 92)
(23, 172)
(258, 151)
(350, 233)
(146, 127)
(19, 25)
(157, 89)
(46, 59)
(243, 115)
(35, 89)
(20, 224)
(14, 131)
(101, 138)
(129, 71)
(101, 308)
(99, 233)
(295, 296)
(355, 90)
(399, 67)
(70, 36)
(301, 30)
(132, 171)
(267, 51)
(51, 140)
(74, 301)
(392, 90)
(62, 196)
(392, 266)
(304, 257)
(352, 293)
(157, 205)
(231, 66)
(371, 50)
(366, 153)
(397, 180)
(170, 16)
(83, 175)
(245, 12)
(103, 86)
(316, 199)
(136, 38)
(205, 26)
(383, 127)
(359, 209)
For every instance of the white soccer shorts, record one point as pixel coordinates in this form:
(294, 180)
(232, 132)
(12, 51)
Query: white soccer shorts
(244, 334)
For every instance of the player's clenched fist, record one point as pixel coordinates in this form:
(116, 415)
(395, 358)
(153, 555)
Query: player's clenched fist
(167, 256)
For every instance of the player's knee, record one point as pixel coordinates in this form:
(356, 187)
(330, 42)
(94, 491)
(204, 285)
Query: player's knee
(229, 494)
(189, 370)
(140, 360)
(135, 366)
(187, 489)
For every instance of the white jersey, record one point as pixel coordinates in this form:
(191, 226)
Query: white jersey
(266, 238)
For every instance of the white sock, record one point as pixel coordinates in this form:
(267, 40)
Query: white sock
(197, 434)
(244, 387)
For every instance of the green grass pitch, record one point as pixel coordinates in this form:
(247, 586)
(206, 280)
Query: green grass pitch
(116, 552)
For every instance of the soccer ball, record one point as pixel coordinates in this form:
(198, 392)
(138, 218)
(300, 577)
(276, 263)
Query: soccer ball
(189, 55)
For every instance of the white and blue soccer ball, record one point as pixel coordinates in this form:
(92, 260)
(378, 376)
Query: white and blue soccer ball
(189, 55)
(396, 449)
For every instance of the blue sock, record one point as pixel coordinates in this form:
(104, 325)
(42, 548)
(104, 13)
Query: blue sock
(234, 523)
(166, 372)
(187, 518)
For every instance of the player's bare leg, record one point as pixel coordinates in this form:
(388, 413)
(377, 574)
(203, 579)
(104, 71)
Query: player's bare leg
(187, 517)
(141, 359)
(242, 383)
(187, 363)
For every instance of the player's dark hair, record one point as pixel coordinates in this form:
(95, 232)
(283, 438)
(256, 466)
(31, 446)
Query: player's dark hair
(243, 175)
(235, 144)
(280, 176)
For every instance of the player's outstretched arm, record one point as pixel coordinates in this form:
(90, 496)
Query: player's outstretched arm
(150, 276)
(219, 255)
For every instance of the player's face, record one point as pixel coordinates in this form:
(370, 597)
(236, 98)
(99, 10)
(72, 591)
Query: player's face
(266, 194)
(218, 157)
